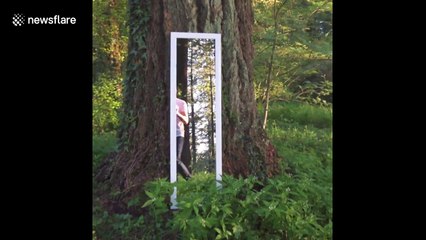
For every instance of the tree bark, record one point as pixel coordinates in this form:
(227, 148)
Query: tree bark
(211, 131)
(144, 134)
(193, 135)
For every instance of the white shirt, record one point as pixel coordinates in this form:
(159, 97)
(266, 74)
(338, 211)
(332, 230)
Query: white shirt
(182, 107)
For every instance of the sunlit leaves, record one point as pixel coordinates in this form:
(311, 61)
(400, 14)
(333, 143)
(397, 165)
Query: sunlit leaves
(303, 33)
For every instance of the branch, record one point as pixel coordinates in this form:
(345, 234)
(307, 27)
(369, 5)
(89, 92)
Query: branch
(316, 10)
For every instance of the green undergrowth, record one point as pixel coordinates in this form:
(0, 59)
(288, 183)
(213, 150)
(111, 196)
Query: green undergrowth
(295, 204)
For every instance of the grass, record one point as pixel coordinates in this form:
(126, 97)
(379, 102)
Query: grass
(302, 114)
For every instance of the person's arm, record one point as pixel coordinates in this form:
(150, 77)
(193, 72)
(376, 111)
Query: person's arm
(184, 116)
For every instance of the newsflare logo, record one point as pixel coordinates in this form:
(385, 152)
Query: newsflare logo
(19, 19)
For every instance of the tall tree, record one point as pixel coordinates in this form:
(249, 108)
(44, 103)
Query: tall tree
(192, 124)
(276, 11)
(293, 41)
(144, 134)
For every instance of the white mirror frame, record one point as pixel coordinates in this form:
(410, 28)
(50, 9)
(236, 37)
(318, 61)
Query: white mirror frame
(218, 103)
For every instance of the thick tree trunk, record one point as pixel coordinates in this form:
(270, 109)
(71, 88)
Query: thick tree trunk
(144, 136)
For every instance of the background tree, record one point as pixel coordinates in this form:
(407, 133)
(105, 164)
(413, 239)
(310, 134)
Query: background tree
(293, 51)
(144, 132)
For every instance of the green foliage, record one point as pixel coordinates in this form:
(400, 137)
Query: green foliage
(302, 134)
(106, 104)
(117, 226)
(103, 144)
(314, 92)
(296, 204)
(283, 114)
(110, 36)
(286, 207)
(157, 221)
(301, 66)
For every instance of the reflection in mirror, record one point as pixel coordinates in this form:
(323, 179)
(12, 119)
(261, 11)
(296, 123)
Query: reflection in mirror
(195, 78)
(200, 95)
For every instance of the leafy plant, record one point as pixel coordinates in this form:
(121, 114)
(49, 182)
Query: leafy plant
(106, 104)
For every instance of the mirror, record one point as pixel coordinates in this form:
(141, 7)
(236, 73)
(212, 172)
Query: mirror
(195, 106)
(199, 93)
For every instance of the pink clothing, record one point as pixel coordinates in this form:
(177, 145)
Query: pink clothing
(182, 107)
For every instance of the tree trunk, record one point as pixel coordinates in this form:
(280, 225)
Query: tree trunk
(268, 83)
(271, 63)
(144, 134)
(193, 135)
(211, 131)
(276, 10)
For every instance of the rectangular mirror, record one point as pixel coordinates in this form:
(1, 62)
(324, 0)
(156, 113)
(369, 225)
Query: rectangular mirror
(195, 106)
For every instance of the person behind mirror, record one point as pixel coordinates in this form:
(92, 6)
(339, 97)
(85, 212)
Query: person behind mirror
(181, 120)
